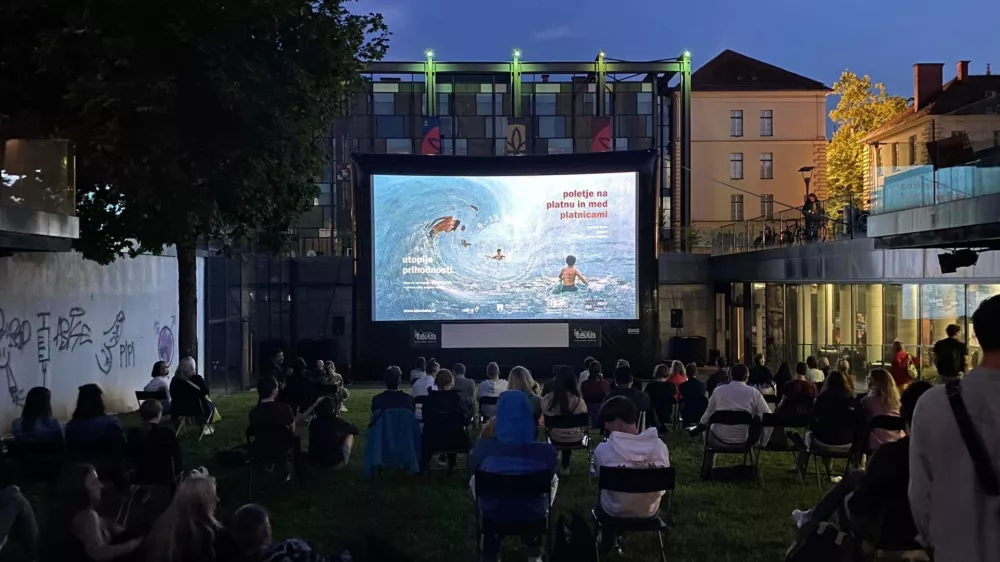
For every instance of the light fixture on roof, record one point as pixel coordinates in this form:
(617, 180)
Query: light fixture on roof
(429, 53)
(517, 53)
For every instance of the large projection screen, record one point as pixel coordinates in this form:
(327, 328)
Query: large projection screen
(528, 247)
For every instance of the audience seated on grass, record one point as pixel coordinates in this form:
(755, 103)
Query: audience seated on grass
(623, 387)
(782, 377)
(492, 387)
(662, 393)
(158, 382)
(336, 380)
(627, 447)
(419, 370)
(155, 450)
(585, 373)
(299, 391)
(91, 422)
(813, 372)
(392, 397)
(330, 437)
(252, 531)
(189, 392)
(693, 399)
(520, 379)
(423, 385)
(761, 376)
(446, 416)
(678, 376)
(873, 504)
(565, 400)
(798, 395)
(73, 528)
(719, 377)
(882, 400)
(735, 396)
(833, 423)
(596, 388)
(36, 422)
(508, 447)
(17, 522)
(465, 387)
(188, 529)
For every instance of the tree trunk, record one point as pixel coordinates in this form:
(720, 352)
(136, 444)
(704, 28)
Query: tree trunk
(187, 294)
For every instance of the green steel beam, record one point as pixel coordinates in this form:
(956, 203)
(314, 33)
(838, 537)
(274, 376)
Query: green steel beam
(685, 147)
(430, 84)
(515, 82)
(610, 67)
(600, 69)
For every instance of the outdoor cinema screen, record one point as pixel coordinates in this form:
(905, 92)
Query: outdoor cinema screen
(539, 247)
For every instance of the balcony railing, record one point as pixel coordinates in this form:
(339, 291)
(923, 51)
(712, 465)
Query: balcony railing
(38, 175)
(922, 186)
(837, 219)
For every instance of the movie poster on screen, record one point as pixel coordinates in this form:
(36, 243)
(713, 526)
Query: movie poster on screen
(584, 334)
(425, 336)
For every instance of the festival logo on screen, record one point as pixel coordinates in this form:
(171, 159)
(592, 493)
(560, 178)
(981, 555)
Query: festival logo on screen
(431, 144)
(601, 127)
(584, 334)
(425, 335)
(517, 137)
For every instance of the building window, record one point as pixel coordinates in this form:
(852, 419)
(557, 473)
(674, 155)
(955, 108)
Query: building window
(736, 166)
(385, 103)
(545, 104)
(766, 165)
(444, 104)
(913, 150)
(389, 127)
(560, 146)
(398, 146)
(551, 127)
(766, 122)
(447, 146)
(461, 147)
(736, 123)
(767, 206)
(895, 156)
(644, 101)
(878, 160)
(736, 207)
(484, 104)
(621, 143)
(500, 147)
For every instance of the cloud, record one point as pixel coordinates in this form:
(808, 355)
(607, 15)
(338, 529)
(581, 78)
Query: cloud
(553, 33)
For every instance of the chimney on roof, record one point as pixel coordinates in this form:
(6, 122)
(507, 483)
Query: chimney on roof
(988, 72)
(545, 78)
(962, 72)
(927, 81)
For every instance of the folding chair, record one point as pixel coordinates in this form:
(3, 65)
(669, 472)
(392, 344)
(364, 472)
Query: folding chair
(443, 423)
(714, 446)
(772, 400)
(185, 412)
(491, 401)
(691, 409)
(667, 411)
(159, 395)
(778, 422)
(570, 421)
(268, 448)
(635, 481)
(508, 486)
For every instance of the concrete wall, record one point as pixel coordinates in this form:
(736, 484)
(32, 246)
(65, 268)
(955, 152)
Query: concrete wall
(66, 321)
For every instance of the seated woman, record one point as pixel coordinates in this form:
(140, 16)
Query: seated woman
(154, 449)
(188, 529)
(882, 400)
(565, 400)
(73, 528)
(337, 380)
(17, 521)
(158, 382)
(520, 379)
(330, 437)
(189, 393)
(508, 447)
(446, 416)
(91, 423)
(252, 531)
(36, 422)
(834, 420)
(662, 393)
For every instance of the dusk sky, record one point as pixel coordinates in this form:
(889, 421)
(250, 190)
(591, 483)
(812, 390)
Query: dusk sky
(818, 40)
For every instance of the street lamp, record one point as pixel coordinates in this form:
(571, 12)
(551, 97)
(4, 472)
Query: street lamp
(806, 172)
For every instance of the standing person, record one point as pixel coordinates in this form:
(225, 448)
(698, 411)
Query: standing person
(720, 376)
(419, 371)
(813, 373)
(158, 382)
(565, 400)
(36, 422)
(493, 386)
(188, 529)
(953, 349)
(903, 365)
(882, 400)
(812, 210)
(276, 368)
(465, 387)
(954, 492)
(624, 387)
(626, 447)
(585, 373)
(735, 396)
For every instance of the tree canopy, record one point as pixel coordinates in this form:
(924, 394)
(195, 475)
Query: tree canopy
(191, 119)
(863, 107)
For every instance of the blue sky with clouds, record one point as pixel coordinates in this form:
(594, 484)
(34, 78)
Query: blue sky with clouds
(818, 40)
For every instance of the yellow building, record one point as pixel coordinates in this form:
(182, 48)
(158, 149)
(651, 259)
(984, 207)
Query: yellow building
(753, 127)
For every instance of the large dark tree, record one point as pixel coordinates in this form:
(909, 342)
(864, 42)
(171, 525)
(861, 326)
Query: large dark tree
(192, 119)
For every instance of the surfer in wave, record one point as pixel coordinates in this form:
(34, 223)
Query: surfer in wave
(444, 224)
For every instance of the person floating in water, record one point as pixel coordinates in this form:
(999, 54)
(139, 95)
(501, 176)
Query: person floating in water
(570, 274)
(465, 243)
(498, 256)
(443, 224)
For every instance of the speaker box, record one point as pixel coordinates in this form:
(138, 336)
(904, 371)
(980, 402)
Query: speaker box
(676, 318)
(339, 325)
(693, 349)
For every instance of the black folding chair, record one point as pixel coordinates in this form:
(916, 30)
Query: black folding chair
(490, 401)
(192, 412)
(443, 427)
(636, 481)
(772, 400)
(523, 486)
(884, 422)
(271, 450)
(570, 421)
(142, 395)
(691, 409)
(731, 418)
(778, 422)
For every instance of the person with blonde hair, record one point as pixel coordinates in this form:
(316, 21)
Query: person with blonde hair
(189, 388)
(882, 400)
(520, 379)
(188, 529)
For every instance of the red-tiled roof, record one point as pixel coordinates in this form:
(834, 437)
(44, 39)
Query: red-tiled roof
(732, 71)
(957, 96)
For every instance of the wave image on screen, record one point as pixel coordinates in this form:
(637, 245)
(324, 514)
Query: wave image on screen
(504, 247)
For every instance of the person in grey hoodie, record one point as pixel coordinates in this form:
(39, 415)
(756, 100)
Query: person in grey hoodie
(627, 447)
(492, 386)
(466, 387)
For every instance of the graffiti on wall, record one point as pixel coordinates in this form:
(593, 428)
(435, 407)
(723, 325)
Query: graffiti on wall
(165, 340)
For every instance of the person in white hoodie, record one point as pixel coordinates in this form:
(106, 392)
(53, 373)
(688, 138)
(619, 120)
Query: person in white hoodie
(492, 386)
(627, 448)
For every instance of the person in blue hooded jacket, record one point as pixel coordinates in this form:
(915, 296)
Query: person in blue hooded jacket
(508, 446)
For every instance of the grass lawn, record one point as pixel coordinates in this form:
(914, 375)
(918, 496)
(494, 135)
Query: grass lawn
(714, 522)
